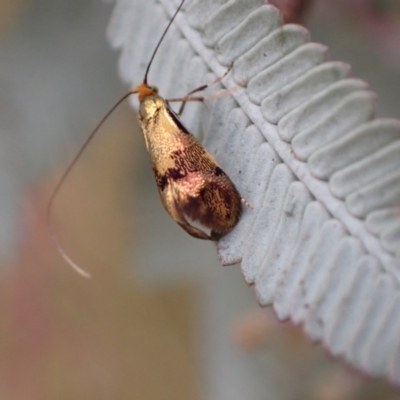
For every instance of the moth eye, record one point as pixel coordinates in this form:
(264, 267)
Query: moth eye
(155, 88)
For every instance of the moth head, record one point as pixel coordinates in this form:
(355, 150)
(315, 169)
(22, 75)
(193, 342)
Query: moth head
(144, 90)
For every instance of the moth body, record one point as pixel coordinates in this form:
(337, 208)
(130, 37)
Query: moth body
(191, 184)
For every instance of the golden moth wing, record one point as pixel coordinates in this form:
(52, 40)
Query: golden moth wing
(171, 202)
(209, 199)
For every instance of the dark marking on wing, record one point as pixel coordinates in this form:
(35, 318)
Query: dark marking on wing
(218, 171)
(161, 180)
(175, 173)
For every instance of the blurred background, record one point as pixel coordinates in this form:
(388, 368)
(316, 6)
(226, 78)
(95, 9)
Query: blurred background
(160, 319)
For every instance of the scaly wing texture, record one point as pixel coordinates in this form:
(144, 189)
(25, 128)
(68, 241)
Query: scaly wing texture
(299, 138)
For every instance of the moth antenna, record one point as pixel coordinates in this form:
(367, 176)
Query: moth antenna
(159, 42)
(60, 249)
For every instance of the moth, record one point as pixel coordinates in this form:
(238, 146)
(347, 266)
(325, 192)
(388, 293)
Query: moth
(193, 188)
(191, 184)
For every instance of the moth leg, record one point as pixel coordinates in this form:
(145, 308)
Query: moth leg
(184, 100)
(181, 108)
(200, 89)
(215, 81)
(171, 205)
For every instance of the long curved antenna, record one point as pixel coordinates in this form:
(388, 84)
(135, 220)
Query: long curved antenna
(159, 42)
(72, 264)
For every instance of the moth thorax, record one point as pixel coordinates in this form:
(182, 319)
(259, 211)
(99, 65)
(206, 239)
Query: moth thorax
(150, 106)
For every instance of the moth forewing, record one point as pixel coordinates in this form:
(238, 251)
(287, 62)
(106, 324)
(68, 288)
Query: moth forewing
(191, 184)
